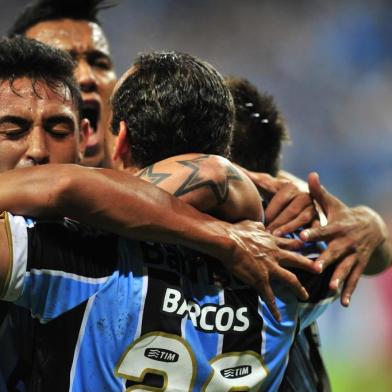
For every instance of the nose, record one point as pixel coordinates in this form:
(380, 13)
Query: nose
(86, 77)
(37, 151)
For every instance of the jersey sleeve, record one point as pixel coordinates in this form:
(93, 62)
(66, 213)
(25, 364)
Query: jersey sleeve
(57, 265)
(16, 230)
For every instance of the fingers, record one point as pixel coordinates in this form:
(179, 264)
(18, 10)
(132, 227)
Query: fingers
(279, 202)
(336, 250)
(320, 194)
(266, 293)
(293, 206)
(315, 223)
(350, 285)
(289, 243)
(342, 271)
(292, 282)
(290, 259)
(257, 276)
(321, 233)
(290, 206)
(317, 191)
(265, 181)
(301, 219)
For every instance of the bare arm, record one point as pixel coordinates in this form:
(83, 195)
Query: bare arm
(209, 183)
(128, 206)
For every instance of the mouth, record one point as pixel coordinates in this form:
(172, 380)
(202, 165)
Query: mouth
(92, 111)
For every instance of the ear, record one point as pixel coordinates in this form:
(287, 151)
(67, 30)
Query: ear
(84, 132)
(122, 148)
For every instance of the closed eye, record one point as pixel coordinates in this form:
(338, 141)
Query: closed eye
(16, 134)
(100, 60)
(14, 127)
(60, 126)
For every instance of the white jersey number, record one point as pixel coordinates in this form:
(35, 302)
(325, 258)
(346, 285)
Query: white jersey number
(171, 357)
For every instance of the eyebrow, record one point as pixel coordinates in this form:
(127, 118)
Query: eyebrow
(94, 53)
(14, 120)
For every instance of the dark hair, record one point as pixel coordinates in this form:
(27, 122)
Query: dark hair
(173, 104)
(259, 128)
(23, 57)
(43, 10)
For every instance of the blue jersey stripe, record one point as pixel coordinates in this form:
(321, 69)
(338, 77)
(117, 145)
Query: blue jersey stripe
(152, 294)
(71, 291)
(123, 297)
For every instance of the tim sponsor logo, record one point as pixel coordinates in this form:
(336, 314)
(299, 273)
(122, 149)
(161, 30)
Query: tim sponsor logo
(161, 354)
(207, 317)
(236, 372)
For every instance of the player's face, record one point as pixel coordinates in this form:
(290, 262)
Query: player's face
(87, 44)
(37, 125)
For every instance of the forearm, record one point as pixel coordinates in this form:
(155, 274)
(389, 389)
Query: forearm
(128, 206)
(142, 211)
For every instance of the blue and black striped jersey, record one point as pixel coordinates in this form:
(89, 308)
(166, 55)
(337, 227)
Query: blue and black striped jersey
(112, 314)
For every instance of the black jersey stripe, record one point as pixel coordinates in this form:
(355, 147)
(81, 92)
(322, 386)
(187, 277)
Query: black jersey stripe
(163, 266)
(69, 247)
(155, 319)
(251, 339)
(53, 351)
(316, 285)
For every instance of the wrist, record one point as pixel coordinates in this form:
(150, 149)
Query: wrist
(212, 237)
(374, 220)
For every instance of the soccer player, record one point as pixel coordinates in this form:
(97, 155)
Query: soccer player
(358, 237)
(39, 123)
(179, 314)
(74, 27)
(36, 127)
(258, 135)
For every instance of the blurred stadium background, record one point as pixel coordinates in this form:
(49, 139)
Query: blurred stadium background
(329, 65)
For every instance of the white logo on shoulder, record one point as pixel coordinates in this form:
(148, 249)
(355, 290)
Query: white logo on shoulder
(208, 317)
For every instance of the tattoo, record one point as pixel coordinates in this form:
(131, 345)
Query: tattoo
(150, 176)
(195, 181)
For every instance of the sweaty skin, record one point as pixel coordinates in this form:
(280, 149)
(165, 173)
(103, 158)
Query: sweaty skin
(290, 207)
(38, 125)
(358, 240)
(128, 206)
(87, 44)
(209, 183)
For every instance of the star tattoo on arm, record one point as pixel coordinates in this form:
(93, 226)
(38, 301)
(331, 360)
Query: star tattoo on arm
(195, 181)
(154, 178)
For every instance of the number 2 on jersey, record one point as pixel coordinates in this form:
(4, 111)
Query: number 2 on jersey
(172, 358)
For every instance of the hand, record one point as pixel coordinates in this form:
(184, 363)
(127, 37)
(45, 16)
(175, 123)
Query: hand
(257, 257)
(290, 209)
(291, 206)
(352, 234)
